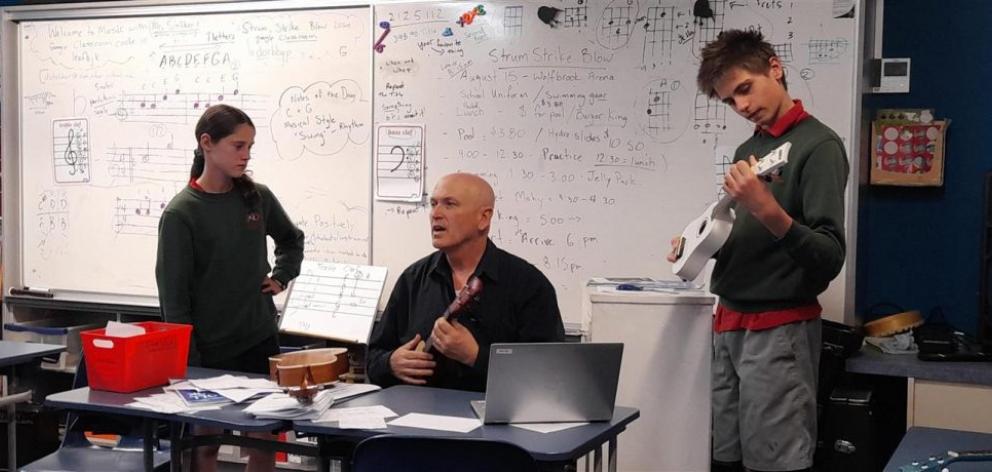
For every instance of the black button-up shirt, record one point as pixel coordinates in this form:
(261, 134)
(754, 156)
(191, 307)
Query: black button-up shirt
(517, 304)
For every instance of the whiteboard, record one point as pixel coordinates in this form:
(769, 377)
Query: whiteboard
(107, 109)
(590, 130)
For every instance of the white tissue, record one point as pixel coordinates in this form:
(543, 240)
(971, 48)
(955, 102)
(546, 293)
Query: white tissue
(123, 330)
(901, 343)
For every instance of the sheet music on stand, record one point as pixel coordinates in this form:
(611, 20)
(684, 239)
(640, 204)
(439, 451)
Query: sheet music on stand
(334, 301)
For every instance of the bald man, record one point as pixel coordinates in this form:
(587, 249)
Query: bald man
(518, 303)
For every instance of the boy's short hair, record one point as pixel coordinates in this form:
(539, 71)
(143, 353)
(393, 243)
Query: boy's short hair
(733, 48)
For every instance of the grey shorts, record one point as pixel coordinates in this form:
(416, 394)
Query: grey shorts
(764, 396)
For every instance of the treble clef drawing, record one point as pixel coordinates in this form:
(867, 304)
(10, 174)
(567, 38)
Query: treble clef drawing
(70, 150)
(69, 155)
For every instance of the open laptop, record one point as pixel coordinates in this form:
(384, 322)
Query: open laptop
(550, 382)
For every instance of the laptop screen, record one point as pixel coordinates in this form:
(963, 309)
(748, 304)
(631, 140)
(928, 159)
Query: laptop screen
(552, 382)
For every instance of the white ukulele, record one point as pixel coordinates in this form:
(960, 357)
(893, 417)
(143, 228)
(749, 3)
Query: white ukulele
(705, 235)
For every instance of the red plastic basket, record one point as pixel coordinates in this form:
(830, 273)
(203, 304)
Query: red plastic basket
(138, 362)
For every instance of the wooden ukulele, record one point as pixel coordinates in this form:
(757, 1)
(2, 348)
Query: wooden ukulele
(303, 373)
(463, 300)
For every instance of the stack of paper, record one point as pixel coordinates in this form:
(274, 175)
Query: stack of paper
(648, 284)
(206, 394)
(169, 403)
(269, 399)
(359, 417)
(228, 381)
(340, 390)
(284, 407)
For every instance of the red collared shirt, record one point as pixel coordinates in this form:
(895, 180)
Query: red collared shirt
(196, 185)
(785, 122)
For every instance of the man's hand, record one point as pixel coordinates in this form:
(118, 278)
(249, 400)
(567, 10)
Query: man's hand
(455, 341)
(675, 245)
(743, 185)
(410, 365)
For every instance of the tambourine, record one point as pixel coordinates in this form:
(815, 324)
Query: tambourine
(894, 324)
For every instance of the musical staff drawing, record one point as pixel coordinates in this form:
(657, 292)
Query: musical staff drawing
(826, 51)
(513, 20)
(70, 149)
(333, 300)
(659, 34)
(177, 107)
(149, 164)
(138, 216)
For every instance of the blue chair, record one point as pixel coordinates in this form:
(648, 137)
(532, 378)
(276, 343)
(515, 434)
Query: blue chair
(430, 454)
(76, 453)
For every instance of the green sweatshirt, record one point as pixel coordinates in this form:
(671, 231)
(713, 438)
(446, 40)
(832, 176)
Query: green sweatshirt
(211, 263)
(755, 271)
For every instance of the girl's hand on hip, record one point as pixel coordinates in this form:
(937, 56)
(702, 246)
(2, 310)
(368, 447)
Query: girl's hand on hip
(271, 286)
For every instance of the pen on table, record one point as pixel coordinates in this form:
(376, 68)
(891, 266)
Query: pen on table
(640, 288)
(632, 287)
(32, 292)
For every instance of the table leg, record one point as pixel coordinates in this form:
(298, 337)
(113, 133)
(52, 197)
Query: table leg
(10, 400)
(613, 454)
(11, 427)
(12, 437)
(323, 455)
(175, 447)
(597, 459)
(148, 444)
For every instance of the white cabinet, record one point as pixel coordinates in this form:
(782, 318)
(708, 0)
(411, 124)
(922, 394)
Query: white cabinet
(665, 374)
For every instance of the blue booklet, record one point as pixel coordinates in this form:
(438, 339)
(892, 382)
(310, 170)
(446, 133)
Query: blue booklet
(201, 397)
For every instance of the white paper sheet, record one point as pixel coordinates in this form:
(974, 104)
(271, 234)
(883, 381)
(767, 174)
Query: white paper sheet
(364, 422)
(238, 395)
(233, 381)
(123, 330)
(168, 402)
(283, 406)
(340, 390)
(358, 412)
(437, 422)
(547, 427)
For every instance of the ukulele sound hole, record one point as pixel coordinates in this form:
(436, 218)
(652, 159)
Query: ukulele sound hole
(702, 227)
